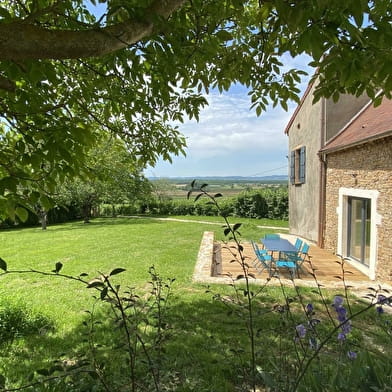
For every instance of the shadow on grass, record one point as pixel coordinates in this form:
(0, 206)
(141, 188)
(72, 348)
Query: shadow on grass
(201, 351)
(98, 222)
(205, 348)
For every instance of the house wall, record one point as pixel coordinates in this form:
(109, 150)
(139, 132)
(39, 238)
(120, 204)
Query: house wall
(365, 169)
(305, 130)
(338, 114)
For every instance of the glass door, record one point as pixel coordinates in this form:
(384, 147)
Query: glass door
(359, 229)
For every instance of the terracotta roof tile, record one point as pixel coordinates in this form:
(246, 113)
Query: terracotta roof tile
(372, 123)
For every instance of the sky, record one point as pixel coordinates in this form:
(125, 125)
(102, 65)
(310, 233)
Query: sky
(230, 140)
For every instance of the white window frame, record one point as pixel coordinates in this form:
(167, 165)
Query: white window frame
(375, 220)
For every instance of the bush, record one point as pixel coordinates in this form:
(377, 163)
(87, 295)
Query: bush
(17, 321)
(265, 203)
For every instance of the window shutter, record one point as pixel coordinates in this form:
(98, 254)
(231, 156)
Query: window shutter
(302, 164)
(292, 167)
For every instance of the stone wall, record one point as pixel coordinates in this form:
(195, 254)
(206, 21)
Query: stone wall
(367, 167)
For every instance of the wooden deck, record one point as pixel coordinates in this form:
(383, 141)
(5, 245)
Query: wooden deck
(326, 266)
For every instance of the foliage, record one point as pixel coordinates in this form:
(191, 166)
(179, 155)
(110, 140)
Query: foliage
(264, 203)
(67, 75)
(18, 321)
(115, 177)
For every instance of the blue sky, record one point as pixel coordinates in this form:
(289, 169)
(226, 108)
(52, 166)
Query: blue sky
(230, 139)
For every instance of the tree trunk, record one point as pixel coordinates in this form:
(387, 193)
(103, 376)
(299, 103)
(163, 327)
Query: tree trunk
(43, 217)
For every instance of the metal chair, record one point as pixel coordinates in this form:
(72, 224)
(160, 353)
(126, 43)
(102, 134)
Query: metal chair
(298, 257)
(289, 265)
(263, 260)
(273, 236)
(298, 243)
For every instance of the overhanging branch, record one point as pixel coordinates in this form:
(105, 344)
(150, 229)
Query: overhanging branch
(20, 41)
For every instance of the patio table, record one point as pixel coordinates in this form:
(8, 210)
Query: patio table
(278, 245)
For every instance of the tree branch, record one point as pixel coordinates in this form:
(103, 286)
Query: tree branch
(20, 40)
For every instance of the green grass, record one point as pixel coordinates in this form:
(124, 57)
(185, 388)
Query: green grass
(201, 353)
(245, 221)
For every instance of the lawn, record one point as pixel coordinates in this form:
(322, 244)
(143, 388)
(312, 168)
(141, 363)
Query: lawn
(204, 346)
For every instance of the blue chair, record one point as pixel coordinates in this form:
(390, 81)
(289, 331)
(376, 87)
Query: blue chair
(288, 265)
(272, 236)
(263, 260)
(305, 251)
(298, 243)
(298, 257)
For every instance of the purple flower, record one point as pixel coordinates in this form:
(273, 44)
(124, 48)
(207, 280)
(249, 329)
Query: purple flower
(301, 330)
(338, 301)
(309, 309)
(352, 355)
(346, 327)
(341, 336)
(341, 311)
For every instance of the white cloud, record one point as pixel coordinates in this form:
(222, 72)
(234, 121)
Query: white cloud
(227, 125)
(230, 139)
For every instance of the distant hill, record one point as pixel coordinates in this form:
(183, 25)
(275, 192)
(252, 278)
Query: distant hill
(273, 178)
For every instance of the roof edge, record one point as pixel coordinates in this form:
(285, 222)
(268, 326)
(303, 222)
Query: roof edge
(297, 109)
(327, 150)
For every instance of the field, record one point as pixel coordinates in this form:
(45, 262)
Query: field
(178, 187)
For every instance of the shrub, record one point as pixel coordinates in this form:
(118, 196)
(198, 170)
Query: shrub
(17, 321)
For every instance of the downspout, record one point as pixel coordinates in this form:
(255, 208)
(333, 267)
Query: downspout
(322, 177)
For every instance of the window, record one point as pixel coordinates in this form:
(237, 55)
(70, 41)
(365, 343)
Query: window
(358, 236)
(297, 165)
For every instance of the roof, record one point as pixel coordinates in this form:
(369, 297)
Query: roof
(371, 123)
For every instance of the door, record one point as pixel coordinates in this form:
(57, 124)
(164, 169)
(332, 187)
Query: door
(359, 229)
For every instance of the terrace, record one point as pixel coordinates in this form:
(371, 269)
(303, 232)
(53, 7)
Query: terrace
(214, 265)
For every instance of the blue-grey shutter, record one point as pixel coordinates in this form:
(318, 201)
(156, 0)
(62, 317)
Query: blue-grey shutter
(302, 164)
(292, 167)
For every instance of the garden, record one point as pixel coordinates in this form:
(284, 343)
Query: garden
(110, 306)
(94, 92)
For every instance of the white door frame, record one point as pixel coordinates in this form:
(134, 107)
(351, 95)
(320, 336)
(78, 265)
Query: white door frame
(375, 220)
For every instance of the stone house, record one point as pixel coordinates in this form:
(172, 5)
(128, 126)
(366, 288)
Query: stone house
(340, 191)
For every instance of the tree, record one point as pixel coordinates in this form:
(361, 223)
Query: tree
(67, 76)
(114, 177)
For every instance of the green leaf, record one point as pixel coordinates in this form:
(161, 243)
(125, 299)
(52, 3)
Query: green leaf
(237, 226)
(198, 197)
(95, 283)
(227, 231)
(3, 264)
(117, 271)
(104, 293)
(2, 381)
(22, 213)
